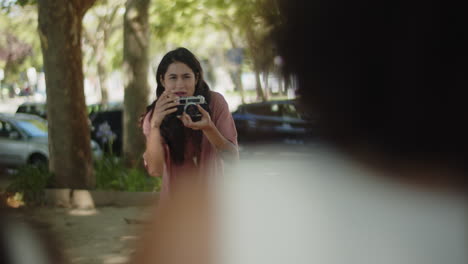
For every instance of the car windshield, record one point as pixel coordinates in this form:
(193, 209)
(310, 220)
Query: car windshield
(32, 127)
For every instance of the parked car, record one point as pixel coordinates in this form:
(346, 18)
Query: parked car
(24, 140)
(40, 108)
(33, 108)
(272, 120)
(98, 116)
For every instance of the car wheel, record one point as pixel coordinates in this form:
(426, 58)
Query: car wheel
(38, 160)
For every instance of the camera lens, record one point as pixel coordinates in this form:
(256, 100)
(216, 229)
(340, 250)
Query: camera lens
(192, 110)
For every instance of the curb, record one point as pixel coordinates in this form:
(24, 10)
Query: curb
(88, 199)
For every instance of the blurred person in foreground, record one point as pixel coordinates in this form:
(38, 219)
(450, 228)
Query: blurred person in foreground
(180, 147)
(388, 184)
(23, 241)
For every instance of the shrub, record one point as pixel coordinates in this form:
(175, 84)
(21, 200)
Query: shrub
(30, 181)
(111, 174)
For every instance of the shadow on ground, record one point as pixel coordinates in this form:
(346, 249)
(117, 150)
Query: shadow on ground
(105, 235)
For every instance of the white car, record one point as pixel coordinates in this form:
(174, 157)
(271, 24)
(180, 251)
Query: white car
(24, 140)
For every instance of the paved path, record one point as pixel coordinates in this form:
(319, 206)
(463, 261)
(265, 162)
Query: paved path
(101, 236)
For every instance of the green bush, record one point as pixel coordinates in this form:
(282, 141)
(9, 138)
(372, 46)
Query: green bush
(111, 174)
(30, 181)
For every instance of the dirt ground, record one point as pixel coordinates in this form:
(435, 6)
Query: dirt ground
(106, 235)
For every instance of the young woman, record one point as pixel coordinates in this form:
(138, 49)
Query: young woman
(177, 147)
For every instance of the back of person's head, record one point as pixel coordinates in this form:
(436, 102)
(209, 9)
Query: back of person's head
(387, 75)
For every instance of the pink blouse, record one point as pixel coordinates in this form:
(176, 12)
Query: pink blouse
(210, 163)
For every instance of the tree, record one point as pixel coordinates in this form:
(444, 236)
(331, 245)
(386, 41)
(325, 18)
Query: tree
(13, 52)
(136, 67)
(250, 17)
(187, 21)
(97, 36)
(19, 43)
(223, 20)
(60, 29)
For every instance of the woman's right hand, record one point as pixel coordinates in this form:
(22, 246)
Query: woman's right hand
(166, 104)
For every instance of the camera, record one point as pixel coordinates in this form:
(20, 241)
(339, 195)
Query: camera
(189, 105)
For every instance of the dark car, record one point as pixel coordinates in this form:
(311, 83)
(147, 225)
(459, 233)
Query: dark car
(33, 108)
(40, 108)
(107, 125)
(271, 120)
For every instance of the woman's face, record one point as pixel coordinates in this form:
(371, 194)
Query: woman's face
(179, 79)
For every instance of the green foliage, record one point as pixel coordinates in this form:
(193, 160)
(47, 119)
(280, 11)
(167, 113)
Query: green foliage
(19, 42)
(30, 181)
(8, 4)
(114, 51)
(111, 174)
(103, 35)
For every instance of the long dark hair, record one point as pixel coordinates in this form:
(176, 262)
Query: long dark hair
(172, 129)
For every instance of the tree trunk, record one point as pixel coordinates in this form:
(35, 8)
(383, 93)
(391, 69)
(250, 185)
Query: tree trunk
(102, 74)
(281, 88)
(60, 24)
(267, 88)
(239, 84)
(258, 87)
(235, 71)
(98, 42)
(255, 54)
(136, 67)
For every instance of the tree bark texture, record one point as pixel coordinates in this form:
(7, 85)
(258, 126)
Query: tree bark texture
(136, 67)
(99, 40)
(60, 25)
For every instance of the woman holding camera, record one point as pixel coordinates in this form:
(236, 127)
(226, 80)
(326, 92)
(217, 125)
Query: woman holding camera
(180, 147)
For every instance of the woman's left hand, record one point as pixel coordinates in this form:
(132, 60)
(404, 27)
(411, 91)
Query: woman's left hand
(204, 123)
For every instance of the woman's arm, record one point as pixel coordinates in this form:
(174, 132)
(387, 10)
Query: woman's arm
(154, 154)
(227, 148)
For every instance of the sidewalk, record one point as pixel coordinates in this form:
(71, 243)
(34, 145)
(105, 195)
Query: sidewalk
(91, 227)
(104, 235)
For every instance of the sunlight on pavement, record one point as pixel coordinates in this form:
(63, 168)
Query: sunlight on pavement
(83, 212)
(115, 259)
(127, 238)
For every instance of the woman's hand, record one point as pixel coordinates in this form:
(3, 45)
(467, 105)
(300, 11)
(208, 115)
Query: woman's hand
(204, 123)
(227, 149)
(166, 104)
